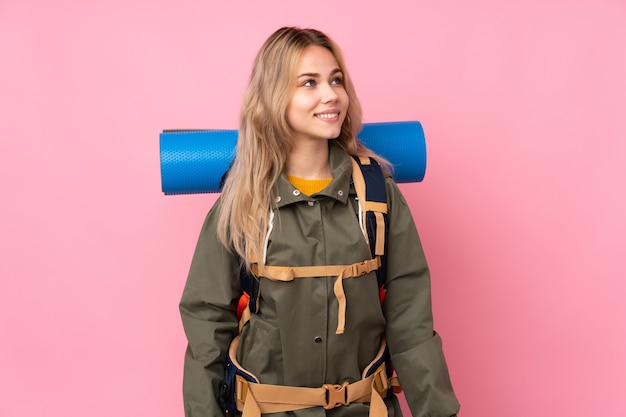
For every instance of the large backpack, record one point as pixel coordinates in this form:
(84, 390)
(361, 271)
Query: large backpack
(369, 182)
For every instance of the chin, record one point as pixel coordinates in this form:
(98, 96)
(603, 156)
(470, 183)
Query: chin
(334, 134)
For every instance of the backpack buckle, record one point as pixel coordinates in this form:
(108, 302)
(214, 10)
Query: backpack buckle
(336, 395)
(359, 269)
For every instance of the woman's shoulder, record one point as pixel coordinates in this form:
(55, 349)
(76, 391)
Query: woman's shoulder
(212, 217)
(395, 197)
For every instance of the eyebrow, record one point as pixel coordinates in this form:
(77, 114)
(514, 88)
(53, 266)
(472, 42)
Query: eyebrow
(316, 75)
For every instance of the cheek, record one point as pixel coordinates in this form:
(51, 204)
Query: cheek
(302, 102)
(343, 96)
(299, 107)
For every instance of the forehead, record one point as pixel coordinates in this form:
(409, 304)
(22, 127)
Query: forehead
(316, 59)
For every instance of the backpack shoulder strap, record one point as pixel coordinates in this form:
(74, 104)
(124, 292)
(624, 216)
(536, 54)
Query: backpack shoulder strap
(369, 182)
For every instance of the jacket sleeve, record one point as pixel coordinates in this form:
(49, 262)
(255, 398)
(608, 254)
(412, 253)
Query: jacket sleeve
(208, 312)
(416, 350)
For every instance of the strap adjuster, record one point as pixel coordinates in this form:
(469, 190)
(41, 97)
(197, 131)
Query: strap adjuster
(359, 269)
(336, 395)
(381, 382)
(241, 389)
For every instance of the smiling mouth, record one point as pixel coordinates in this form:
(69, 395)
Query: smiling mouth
(327, 116)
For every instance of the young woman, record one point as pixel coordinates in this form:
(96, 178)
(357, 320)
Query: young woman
(289, 203)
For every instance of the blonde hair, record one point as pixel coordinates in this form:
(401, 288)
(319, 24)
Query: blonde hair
(264, 140)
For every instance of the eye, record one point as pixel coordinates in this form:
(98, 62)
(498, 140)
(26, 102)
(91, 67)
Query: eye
(337, 81)
(309, 83)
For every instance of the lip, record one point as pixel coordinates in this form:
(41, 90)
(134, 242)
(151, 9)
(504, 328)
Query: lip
(326, 112)
(329, 111)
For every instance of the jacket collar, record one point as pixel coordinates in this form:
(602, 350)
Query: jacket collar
(339, 188)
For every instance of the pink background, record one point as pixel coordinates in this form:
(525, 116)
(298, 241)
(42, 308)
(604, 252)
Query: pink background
(521, 212)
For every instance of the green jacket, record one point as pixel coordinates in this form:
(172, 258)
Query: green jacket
(292, 340)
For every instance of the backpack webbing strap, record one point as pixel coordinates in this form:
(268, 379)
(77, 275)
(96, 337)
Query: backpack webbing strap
(265, 398)
(254, 399)
(289, 273)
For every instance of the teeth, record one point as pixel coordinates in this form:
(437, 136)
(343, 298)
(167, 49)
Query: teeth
(328, 115)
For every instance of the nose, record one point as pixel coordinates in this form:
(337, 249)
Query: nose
(328, 93)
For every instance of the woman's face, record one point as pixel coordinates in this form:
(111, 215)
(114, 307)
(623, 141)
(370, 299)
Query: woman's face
(320, 102)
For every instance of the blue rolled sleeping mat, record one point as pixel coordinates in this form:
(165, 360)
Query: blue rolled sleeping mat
(194, 161)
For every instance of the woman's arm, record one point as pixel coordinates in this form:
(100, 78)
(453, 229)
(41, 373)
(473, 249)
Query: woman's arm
(207, 309)
(415, 348)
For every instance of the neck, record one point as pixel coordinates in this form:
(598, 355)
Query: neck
(309, 161)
